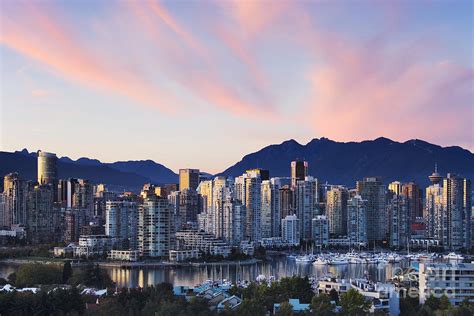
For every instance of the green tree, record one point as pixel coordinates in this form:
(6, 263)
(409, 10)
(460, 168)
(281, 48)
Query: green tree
(409, 305)
(31, 274)
(198, 306)
(353, 303)
(432, 302)
(334, 295)
(286, 309)
(321, 305)
(444, 303)
(250, 307)
(91, 275)
(67, 271)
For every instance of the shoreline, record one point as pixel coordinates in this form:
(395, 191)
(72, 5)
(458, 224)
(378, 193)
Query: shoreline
(133, 265)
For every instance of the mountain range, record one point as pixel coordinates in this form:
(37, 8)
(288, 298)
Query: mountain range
(329, 161)
(346, 162)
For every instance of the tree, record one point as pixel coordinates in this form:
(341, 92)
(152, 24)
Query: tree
(198, 306)
(250, 307)
(444, 303)
(31, 274)
(67, 271)
(409, 305)
(91, 275)
(432, 302)
(321, 305)
(286, 309)
(12, 278)
(353, 303)
(334, 296)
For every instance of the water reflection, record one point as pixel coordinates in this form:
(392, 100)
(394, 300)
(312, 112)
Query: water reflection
(279, 267)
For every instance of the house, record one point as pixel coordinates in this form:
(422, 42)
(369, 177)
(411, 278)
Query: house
(231, 303)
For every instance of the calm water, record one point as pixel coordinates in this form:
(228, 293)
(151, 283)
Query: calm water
(278, 267)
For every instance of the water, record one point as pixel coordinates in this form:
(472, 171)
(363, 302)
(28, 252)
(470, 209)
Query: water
(279, 267)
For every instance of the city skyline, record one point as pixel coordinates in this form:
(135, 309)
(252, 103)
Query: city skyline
(170, 79)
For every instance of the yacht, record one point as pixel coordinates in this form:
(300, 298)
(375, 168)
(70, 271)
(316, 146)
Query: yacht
(453, 257)
(353, 258)
(320, 262)
(304, 259)
(338, 261)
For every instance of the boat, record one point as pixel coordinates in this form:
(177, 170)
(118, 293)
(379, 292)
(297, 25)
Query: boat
(320, 262)
(453, 257)
(338, 261)
(304, 259)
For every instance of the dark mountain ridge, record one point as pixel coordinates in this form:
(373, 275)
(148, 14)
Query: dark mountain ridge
(345, 163)
(329, 161)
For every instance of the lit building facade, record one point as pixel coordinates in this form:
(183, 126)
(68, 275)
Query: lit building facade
(336, 210)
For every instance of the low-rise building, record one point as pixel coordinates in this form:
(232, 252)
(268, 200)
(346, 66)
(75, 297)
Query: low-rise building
(63, 251)
(123, 255)
(183, 255)
(202, 241)
(383, 296)
(92, 245)
(230, 303)
(274, 242)
(456, 281)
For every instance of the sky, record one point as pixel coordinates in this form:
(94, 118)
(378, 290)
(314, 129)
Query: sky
(199, 84)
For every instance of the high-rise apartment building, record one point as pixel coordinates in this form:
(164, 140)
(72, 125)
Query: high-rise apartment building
(306, 204)
(395, 187)
(434, 212)
(357, 221)
(457, 211)
(188, 179)
(155, 227)
(415, 200)
(320, 231)
(270, 212)
(290, 228)
(399, 221)
(121, 223)
(14, 195)
(233, 221)
(286, 201)
(83, 197)
(252, 188)
(299, 171)
(189, 206)
(336, 210)
(373, 190)
(42, 218)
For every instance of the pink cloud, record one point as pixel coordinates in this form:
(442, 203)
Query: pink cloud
(364, 91)
(198, 74)
(48, 40)
(40, 93)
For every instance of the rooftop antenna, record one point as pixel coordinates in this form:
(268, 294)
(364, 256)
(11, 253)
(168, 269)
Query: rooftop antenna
(436, 167)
